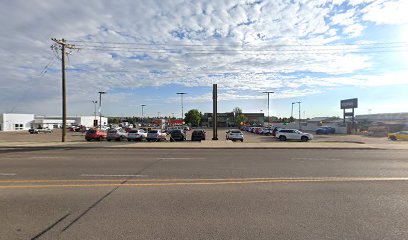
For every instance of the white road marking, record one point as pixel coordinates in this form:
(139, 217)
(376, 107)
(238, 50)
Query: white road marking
(178, 158)
(8, 174)
(112, 175)
(317, 159)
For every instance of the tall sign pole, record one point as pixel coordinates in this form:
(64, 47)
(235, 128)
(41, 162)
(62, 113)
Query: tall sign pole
(214, 115)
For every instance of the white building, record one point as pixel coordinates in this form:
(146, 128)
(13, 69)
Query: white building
(15, 121)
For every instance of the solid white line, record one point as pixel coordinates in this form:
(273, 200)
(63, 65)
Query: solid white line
(317, 159)
(8, 174)
(111, 175)
(178, 158)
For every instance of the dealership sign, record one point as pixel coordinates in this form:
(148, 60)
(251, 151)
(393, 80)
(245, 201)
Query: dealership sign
(349, 103)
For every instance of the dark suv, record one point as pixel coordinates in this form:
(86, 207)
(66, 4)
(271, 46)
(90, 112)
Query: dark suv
(177, 135)
(198, 135)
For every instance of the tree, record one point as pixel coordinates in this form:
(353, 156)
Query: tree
(238, 117)
(237, 111)
(241, 118)
(193, 117)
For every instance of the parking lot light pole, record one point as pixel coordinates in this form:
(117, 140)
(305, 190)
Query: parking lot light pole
(100, 108)
(182, 104)
(143, 105)
(291, 112)
(268, 92)
(94, 102)
(299, 113)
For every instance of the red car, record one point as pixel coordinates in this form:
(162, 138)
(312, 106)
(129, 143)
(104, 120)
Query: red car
(93, 134)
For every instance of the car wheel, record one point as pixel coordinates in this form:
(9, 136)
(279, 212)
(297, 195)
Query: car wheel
(129, 140)
(98, 139)
(242, 140)
(282, 138)
(171, 140)
(88, 140)
(304, 139)
(108, 140)
(393, 138)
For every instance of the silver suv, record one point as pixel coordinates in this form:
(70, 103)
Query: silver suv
(118, 135)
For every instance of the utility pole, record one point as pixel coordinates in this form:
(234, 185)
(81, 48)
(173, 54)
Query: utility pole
(291, 112)
(268, 92)
(63, 46)
(182, 104)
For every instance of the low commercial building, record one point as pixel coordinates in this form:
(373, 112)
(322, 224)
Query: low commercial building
(15, 121)
(23, 122)
(392, 122)
(228, 119)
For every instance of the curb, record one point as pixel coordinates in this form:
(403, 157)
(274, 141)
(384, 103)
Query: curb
(39, 148)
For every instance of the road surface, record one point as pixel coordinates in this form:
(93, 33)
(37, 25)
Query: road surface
(203, 194)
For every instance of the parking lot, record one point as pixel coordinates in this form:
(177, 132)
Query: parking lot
(55, 136)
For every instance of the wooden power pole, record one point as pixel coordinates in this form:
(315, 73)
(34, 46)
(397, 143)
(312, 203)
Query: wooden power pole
(63, 46)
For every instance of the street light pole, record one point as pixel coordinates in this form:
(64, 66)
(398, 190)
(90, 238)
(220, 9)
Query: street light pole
(182, 104)
(268, 92)
(100, 107)
(94, 102)
(291, 112)
(299, 113)
(143, 105)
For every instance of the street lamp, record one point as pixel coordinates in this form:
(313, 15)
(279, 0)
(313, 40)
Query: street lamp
(291, 113)
(143, 105)
(299, 111)
(268, 92)
(94, 102)
(100, 107)
(182, 105)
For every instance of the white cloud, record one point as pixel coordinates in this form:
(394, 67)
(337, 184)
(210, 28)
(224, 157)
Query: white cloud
(272, 38)
(386, 12)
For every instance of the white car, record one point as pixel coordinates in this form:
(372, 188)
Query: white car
(155, 135)
(234, 135)
(136, 135)
(293, 134)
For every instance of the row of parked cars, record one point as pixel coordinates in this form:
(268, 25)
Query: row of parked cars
(151, 135)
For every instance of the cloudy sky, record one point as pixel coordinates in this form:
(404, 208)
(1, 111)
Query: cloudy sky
(144, 52)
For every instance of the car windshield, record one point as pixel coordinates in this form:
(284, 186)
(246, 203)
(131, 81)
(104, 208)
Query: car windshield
(235, 131)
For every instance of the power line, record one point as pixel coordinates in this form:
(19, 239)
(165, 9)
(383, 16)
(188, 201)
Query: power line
(215, 45)
(261, 52)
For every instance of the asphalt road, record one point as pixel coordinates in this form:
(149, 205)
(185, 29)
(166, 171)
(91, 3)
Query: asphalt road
(203, 194)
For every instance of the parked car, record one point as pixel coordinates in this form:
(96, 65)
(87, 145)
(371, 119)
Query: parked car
(266, 131)
(177, 135)
(115, 134)
(403, 135)
(198, 135)
(293, 134)
(136, 135)
(155, 135)
(325, 130)
(93, 134)
(235, 135)
(39, 130)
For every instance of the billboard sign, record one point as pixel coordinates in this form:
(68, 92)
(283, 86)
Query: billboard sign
(349, 103)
